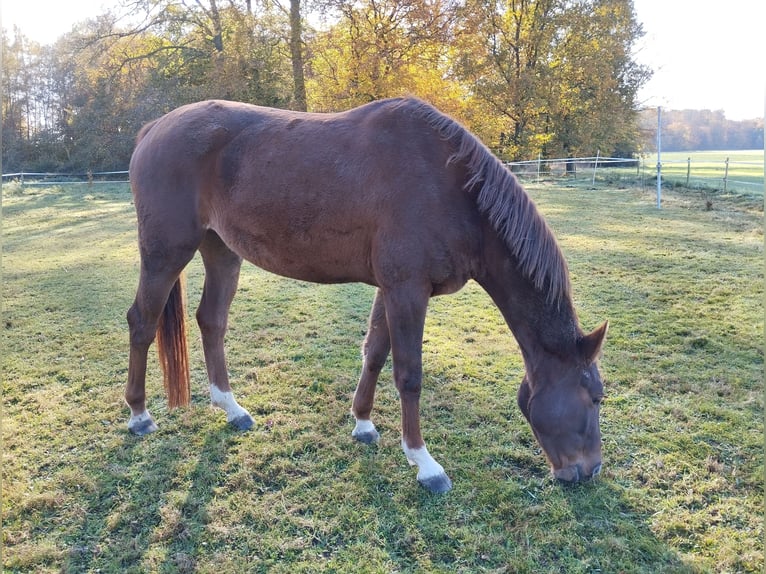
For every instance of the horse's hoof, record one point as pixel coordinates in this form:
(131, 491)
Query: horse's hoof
(365, 432)
(438, 484)
(243, 422)
(143, 428)
(369, 437)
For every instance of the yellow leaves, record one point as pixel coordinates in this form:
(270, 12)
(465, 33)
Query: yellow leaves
(379, 50)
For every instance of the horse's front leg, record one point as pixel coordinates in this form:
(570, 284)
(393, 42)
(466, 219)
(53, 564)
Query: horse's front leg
(377, 345)
(221, 277)
(406, 311)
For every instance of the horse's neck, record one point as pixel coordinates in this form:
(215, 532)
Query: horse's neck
(541, 327)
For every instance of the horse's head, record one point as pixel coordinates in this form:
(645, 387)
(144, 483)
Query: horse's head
(561, 402)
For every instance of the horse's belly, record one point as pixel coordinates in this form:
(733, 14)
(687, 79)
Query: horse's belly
(332, 256)
(334, 241)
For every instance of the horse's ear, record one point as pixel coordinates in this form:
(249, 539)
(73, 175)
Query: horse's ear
(590, 345)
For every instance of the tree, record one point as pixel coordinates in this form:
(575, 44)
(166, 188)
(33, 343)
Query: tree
(78, 104)
(557, 74)
(213, 51)
(504, 57)
(31, 108)
(15, 101)
(296, 56)
(380, 48)
(527, 76)
(595, 80)
(690, 130)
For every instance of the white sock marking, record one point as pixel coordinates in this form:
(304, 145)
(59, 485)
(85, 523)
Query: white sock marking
(227, 402)
(427, 466)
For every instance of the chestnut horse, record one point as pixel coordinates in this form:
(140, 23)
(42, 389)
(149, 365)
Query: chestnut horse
(394, 194)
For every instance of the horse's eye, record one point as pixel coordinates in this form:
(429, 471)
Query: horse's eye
(597, 400)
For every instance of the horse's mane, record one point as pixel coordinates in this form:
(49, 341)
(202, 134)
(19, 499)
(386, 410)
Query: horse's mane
(501, 198)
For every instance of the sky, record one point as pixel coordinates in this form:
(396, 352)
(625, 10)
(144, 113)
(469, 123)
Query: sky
(705, 55)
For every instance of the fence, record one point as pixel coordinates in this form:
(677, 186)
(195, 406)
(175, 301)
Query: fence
(711, 173)
(609, 169)
(47, 178)
(716, 174)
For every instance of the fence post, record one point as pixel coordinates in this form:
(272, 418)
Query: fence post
(595, 166)
(539, 159)
(726, 175)
(688, 170)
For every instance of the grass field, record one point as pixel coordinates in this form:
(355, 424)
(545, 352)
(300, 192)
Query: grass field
(707, 169)
(682, 487)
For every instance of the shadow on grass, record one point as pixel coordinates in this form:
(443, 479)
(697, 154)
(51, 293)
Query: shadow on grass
(486, 526)
(514, 519)
(149, 509)
(575, 530)
(618, 535)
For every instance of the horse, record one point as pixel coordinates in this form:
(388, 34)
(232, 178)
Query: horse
(394, 194)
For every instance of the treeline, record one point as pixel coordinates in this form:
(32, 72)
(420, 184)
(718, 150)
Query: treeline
(699, 130)
(529, 77)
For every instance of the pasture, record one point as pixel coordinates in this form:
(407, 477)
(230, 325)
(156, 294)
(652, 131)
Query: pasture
(682, 486)
(706, 170)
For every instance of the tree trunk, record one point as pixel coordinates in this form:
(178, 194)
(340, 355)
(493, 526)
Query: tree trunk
(296, 56)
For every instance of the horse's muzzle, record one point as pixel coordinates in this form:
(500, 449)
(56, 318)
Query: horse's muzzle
(576, 473)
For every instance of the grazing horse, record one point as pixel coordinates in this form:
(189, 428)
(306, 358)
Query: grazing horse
(394, 194)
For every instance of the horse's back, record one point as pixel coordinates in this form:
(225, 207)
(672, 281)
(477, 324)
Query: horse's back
(321, 197)
(249, 134)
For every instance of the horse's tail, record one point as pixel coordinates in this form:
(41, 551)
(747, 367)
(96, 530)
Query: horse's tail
(172, 350)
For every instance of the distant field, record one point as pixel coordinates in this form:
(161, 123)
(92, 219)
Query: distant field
(682, 486)
(707, 169)
(706, 172)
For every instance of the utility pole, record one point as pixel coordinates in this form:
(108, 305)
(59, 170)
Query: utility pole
(659, 152)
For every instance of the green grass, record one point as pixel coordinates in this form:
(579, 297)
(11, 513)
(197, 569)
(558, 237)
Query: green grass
(682, 489)
(708, 168)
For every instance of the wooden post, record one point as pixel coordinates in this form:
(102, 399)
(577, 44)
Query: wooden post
(688, 170)
(726, 175)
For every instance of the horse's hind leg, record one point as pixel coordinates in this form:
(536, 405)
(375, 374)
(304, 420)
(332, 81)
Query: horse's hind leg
(377, 345)
(157, 279)
(221, 276)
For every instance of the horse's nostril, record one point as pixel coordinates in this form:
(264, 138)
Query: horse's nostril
(568, 475)
(576, 473)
